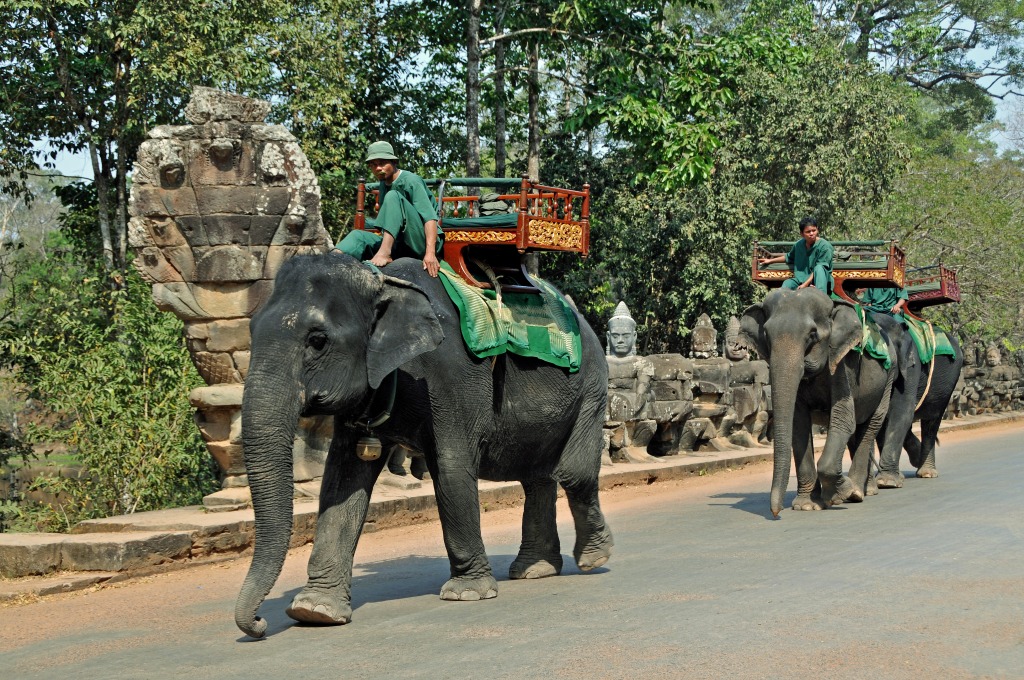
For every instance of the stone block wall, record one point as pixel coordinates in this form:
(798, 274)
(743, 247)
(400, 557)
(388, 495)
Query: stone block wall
(216, 207)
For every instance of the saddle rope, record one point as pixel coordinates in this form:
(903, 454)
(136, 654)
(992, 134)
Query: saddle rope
(931, 366)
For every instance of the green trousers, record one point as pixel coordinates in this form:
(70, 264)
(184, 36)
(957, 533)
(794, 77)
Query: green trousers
(822, 280)
(398, 217)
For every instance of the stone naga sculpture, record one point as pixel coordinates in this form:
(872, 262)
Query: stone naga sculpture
(216, 207)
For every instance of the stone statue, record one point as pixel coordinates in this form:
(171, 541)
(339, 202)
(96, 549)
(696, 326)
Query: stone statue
(736, 348)
(997, 369)
(629, 388)
(703, 339)
(216, 207)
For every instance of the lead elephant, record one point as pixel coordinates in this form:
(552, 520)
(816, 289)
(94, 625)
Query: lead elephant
(935, 382)
(327, 342)
(808, 340)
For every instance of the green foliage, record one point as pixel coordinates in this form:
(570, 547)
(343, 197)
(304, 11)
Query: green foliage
(114, 373)
(963, 208)
(820, 137)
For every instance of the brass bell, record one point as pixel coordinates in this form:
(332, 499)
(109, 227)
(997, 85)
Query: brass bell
(368, 448)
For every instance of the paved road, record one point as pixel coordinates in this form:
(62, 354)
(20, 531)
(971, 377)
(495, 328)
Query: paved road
(926, 581)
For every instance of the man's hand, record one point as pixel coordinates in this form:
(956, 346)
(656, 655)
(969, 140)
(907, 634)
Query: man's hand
(379, 260)
(431, 265)
(805, 284)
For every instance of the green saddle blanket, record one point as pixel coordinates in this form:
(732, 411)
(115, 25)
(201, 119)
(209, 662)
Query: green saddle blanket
(542, 326)
(872, 343)
(929, 342)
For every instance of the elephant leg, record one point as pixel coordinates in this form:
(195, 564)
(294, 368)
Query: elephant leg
(539, 554)
(344, 500)
(894, 430)
(863, 444)
(836, 487)
(808, 492)
(889, 475)
(458, 505)
(593, 537)
(577, 472)
(924, 461)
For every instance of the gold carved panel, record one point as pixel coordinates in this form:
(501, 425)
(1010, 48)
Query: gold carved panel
(556, 234)
(479, 236)
(775, 274)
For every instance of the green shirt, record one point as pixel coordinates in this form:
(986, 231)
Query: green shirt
(412, 187)
(803, 262)
(883, 299)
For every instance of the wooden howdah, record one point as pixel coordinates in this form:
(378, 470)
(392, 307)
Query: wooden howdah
(485, 250)
(933, 285)
(857, 264)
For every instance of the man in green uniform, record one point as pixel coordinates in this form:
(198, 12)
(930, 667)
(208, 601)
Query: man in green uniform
(885, 300)
(407, 217)
(810, 259)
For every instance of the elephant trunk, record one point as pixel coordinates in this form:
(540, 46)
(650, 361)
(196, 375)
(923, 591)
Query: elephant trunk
(270, 416)
(785, 380)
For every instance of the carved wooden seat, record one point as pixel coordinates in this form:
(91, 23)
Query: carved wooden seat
(933, 285)
(482, 248)
(861, 264)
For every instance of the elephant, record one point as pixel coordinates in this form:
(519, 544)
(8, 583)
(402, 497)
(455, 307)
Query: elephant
(939, 378)
(808, 340)
(337, 338)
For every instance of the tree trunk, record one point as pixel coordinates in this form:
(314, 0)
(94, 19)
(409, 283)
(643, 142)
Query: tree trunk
(533, 154)
(500, 155)
(102, 182)
(474, 8)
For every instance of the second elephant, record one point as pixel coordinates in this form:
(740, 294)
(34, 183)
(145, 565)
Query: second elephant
(809, 341)
(921, 392)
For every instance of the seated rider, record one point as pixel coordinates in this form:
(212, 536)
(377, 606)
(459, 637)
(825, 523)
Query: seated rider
(407, 217)
(810, 259)
(886, 300)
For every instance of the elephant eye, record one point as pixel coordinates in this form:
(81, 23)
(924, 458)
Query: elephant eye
(813, 337)
(317, 340)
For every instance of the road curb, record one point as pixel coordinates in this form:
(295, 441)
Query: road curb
(134, 546)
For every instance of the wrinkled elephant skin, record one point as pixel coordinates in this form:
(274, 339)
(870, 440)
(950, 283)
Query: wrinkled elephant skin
(808, 341)
(931, 385)
(327, 342)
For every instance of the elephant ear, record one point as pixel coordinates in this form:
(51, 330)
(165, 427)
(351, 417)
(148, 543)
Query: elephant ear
(404, 327)
(847, 333)
(752, 329)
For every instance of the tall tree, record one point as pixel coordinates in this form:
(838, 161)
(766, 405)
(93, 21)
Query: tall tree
(931, 42)
(473, 10)
(94, 76)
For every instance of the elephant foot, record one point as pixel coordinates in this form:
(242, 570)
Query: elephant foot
(871, 488)
(524, 567)
(927, 473)
(470, 589)
(595, 552)
(806, 502)
(845, 492)
(315, 606)
(889, 480)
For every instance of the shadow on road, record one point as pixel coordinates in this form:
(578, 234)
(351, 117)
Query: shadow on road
(397, 579)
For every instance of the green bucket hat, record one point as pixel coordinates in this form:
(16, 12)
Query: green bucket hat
(380, 151)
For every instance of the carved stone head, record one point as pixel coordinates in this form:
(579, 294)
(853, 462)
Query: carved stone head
(621, 332)
(993, 357)
(704, 339)
(736, 348)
